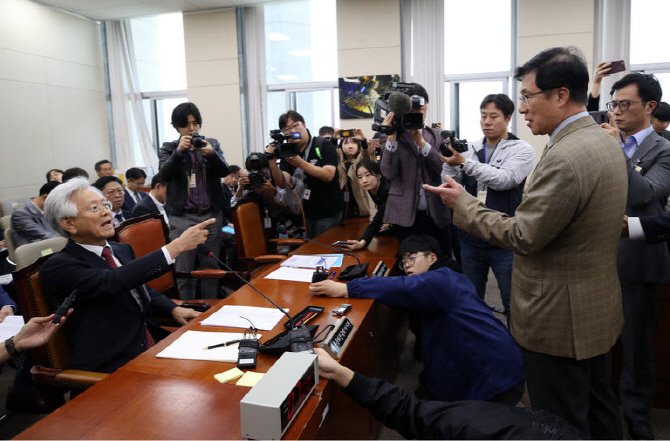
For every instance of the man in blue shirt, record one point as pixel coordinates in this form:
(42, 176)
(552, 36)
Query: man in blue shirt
(468, 354)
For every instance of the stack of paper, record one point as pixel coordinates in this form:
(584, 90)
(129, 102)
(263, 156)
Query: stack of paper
(243, 316)
(313, 260)
(191, 346)
(10, 326)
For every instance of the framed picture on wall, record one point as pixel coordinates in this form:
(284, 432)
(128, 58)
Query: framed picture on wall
(358, 94)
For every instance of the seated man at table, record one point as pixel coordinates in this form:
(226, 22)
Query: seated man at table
(112, 320)
(468, 354)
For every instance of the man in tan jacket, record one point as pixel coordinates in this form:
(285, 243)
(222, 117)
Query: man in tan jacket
(566, 300)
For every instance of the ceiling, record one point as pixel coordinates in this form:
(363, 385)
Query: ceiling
(119, 9)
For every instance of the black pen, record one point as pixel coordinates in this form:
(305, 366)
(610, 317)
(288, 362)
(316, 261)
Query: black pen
(220, 345)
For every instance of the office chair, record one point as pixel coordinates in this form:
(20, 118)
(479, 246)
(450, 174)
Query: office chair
(52, 360)
(252, 247)
(148, 233)
(30, 252)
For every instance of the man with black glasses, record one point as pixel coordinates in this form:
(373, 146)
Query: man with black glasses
(642, 266)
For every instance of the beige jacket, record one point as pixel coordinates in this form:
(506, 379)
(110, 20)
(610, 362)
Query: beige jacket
(566, 298)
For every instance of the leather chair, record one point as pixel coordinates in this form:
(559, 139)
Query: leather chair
(52, 360)
(148, 233)
(30, 252)
(252, 247)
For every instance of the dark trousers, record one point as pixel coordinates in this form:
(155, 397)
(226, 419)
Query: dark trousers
(578, 391)
(638, 379)
(423, 224)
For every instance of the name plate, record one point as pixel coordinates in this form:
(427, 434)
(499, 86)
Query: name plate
(339, 338)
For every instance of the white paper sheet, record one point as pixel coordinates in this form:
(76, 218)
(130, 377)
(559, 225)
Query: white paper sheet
(10, 326)
(314, 260)
(292, 274)
(189, 346)
(231, 315)
(6, 279)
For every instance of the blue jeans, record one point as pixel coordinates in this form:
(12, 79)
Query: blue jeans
(476, 264)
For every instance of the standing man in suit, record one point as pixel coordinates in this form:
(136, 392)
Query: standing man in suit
(112, 188)
(154, 203)
(28, 223)
(566, 300)
(192, 167)
(642, 267)
(112, 320)
(135, 179)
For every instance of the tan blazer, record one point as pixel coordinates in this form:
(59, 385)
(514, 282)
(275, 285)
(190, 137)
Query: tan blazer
(566, 298)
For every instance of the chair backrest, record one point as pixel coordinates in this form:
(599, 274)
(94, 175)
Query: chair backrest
(146, 234)
(6, 221)
(56, 353)
(30, 252)
(9, 243)
(249, 233)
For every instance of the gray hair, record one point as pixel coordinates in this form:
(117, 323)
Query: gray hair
(59, 203)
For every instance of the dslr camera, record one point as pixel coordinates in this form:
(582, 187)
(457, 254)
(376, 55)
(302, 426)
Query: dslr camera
(393, 101)
(285, 143)
(460, 145)
(197, 140)
(255, 164)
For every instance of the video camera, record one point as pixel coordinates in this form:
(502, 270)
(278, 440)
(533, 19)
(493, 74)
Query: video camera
(399, 101)
(460, 145)
(286, 143)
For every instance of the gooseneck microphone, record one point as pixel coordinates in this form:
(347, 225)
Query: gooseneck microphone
(349, 273)
(299, 337)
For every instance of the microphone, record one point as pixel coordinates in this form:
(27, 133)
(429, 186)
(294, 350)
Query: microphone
(349, 273)
(299, 337)
(399, 103)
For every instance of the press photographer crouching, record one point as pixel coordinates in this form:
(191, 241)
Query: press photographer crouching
(311, 166)
(278, 206)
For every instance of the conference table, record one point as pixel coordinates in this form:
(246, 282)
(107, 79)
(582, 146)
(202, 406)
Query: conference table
(157, 398)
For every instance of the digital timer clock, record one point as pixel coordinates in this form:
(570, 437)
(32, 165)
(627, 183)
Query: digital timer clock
(270, 407)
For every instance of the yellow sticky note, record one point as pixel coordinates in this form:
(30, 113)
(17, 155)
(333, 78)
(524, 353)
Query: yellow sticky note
(47, 251)
(230, 374)
(249, 379)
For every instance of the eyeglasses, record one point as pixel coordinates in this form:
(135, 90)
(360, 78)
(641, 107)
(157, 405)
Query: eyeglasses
(291, 128)
(409, 260)
(525, 98)
(622, 105)
(97, 208)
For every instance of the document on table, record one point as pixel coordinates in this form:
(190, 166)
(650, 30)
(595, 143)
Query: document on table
(10, 326)
(6, 279)
(313, 260)
(189, 346)
(292, 274)
(232, 315)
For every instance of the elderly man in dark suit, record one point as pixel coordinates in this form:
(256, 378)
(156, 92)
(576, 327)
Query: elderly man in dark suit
(112, 320)
(28, 223)
(642, 266)
(566, 299)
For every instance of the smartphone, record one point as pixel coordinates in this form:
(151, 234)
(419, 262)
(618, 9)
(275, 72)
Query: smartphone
(337, 243)
(600, 116)
(349, 133)
(617, 66)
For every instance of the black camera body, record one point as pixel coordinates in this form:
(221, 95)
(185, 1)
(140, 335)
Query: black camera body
(286, 143)
(198, 141)
(460, 145)
(256, 179)
(408, 121)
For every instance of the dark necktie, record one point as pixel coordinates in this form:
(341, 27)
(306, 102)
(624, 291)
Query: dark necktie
(138, 198)
(107, 255)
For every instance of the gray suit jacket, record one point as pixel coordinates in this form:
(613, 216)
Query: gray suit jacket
(29, 225)
(566, 298)
(648, 189)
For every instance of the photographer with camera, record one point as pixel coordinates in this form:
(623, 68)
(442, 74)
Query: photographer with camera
(494, 170)
(193, 167)
(311, 165)
(411, 158)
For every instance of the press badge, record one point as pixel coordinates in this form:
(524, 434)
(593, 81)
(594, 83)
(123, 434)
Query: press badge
(346, 196)
(191, 180)
(267, 222)
(481, 195)
(306, 193)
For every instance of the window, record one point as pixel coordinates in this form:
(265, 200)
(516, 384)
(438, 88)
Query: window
(301, 61)
(481, 67)
(648, 52)
(158, 42)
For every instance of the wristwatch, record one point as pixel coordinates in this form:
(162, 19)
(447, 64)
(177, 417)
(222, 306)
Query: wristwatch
(461, 166)
(11, 349)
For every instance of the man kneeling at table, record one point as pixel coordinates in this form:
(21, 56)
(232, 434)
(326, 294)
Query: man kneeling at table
(468, 354)
(112, 320)
(419, 419)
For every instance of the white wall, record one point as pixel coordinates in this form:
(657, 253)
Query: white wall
(549, 23)
(212, 75)
(53, 111)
